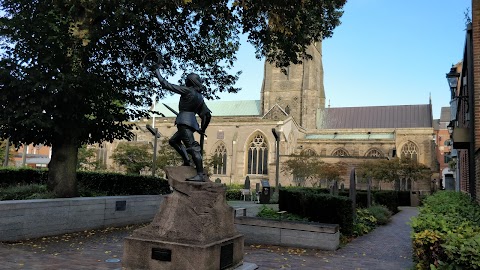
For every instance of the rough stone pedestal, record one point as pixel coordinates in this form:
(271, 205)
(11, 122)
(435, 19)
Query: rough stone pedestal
(193, 229)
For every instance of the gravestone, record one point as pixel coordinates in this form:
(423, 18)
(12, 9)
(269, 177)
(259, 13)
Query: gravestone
(353, 192)
(334, 188)
(246, 185)
(193, 229)
(369, 192)
(218, 180)
(342, 187)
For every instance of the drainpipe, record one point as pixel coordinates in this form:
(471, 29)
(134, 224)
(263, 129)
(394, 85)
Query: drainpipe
(471, 112)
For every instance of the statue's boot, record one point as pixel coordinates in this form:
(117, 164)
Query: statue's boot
(197, 178)
(197, 160)
(182, 151)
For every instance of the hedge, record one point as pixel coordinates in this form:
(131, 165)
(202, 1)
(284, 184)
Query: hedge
(22, 176)
(114, 184)
(446, 233)
(388, 199)
(318, 206)
(111, 184)
(404, 198)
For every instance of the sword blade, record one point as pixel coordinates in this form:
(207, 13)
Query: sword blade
(170, 108)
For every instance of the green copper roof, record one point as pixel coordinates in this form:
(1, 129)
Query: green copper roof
(220, 108)
(354, 136)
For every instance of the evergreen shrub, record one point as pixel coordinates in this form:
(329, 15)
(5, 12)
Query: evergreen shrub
(318, 207)
(107, 184)
(115, 184)
(360, 197)
(381, 213)
(388, 198)
(233, 194)
(446, 233)
(22, 176)
(404, 198)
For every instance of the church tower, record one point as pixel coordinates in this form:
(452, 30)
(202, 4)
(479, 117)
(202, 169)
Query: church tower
(300, 92)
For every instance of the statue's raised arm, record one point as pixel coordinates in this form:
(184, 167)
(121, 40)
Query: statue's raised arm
(191, 104)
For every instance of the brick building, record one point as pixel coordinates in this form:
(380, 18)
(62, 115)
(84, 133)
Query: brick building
(446, 176)
(465, 107)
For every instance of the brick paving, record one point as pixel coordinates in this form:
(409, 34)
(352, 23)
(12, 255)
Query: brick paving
(387, 247)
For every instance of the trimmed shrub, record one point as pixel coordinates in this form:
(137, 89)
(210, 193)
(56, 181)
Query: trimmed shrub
(446, 233)
(404, 198)
(361, 198)
(22, 176)
(364, 223)
(25, 192)
(318, 207)
(89, 183)
(381, 213)
(114, 184)
(234, 194)
(388, 199)
(270, 213)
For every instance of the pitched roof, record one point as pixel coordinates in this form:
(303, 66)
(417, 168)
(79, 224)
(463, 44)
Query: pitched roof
(220, 108)
(400, 116)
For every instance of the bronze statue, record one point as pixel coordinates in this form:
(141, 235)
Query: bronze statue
(191, 104)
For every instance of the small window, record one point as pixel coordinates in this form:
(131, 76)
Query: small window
(340, 153)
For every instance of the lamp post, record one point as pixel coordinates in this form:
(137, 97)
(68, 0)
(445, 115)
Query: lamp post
(452, 78)
(276, 134)
(450, 128)
(156, 135)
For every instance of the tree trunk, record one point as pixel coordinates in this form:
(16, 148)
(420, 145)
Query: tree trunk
(62, 169)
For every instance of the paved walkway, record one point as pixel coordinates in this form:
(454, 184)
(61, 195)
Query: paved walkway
(387, 247)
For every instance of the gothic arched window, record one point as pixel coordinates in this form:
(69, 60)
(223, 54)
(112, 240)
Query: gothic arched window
(410, 150)
(375, 153)
(309, 153)
(340, 153)
(257, 161)
(220, 159)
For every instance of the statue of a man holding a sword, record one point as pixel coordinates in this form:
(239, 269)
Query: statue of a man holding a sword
(191, 104)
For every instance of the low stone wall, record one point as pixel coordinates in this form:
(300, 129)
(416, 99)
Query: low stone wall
(36, 218)
(288, 233)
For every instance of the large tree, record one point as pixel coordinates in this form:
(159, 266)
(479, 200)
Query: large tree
(71, 70)
(393, 170)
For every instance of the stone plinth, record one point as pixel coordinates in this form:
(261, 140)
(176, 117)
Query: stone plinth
(193, 229)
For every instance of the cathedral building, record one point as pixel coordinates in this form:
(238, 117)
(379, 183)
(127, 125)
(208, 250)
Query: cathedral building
(293, 104)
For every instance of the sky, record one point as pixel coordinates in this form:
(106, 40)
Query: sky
(385, 52)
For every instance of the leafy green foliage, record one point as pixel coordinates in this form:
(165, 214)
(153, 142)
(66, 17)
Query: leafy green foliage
(381, 214)
(393, 169)
(87, 159)
(270, 213)
(21, 176)
(233, 195)
(133, 157)
(446, 232)
(310, 169)
(25, 183)
(388, 198)
(25, 192)
(166, 155)
(114, 184)
(72, 71)
(318, 207)
(364, 222)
